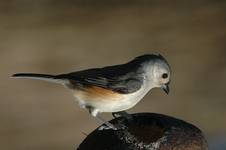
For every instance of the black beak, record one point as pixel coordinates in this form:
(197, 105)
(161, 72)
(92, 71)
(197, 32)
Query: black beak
(165, 88)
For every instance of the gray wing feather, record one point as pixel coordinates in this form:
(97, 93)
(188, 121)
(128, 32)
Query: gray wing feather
(113, 78)
(126, 86)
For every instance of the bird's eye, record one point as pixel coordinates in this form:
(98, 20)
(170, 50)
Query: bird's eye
(164, 75)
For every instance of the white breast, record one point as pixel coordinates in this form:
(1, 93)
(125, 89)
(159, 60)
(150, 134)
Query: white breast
(116, 104)
(130, 100)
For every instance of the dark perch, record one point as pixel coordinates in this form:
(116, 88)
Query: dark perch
(147, 131)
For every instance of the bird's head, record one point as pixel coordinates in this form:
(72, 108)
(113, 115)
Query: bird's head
(161, 74)
(156, 70)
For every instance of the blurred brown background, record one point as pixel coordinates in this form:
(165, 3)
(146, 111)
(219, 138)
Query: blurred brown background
(47, 36)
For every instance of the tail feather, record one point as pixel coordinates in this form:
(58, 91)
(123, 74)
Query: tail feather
(36, 76)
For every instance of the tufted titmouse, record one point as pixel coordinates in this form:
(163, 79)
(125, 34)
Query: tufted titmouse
(113, 88)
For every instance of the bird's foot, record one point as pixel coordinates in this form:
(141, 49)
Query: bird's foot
(123, 114)
(110, 126)
(107, 127)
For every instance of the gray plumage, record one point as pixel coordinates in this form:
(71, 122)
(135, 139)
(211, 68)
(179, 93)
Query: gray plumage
(113, 88)
(125, 78)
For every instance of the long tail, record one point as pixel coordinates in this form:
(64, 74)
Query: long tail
(36, 76)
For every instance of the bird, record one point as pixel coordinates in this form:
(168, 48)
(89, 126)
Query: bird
(114, 88)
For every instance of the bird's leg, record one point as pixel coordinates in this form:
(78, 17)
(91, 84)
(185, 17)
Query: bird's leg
(95, 113)
(108, 124)
(125, 117)
(122, 114)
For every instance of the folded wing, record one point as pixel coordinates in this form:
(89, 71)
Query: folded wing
(118, 78)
